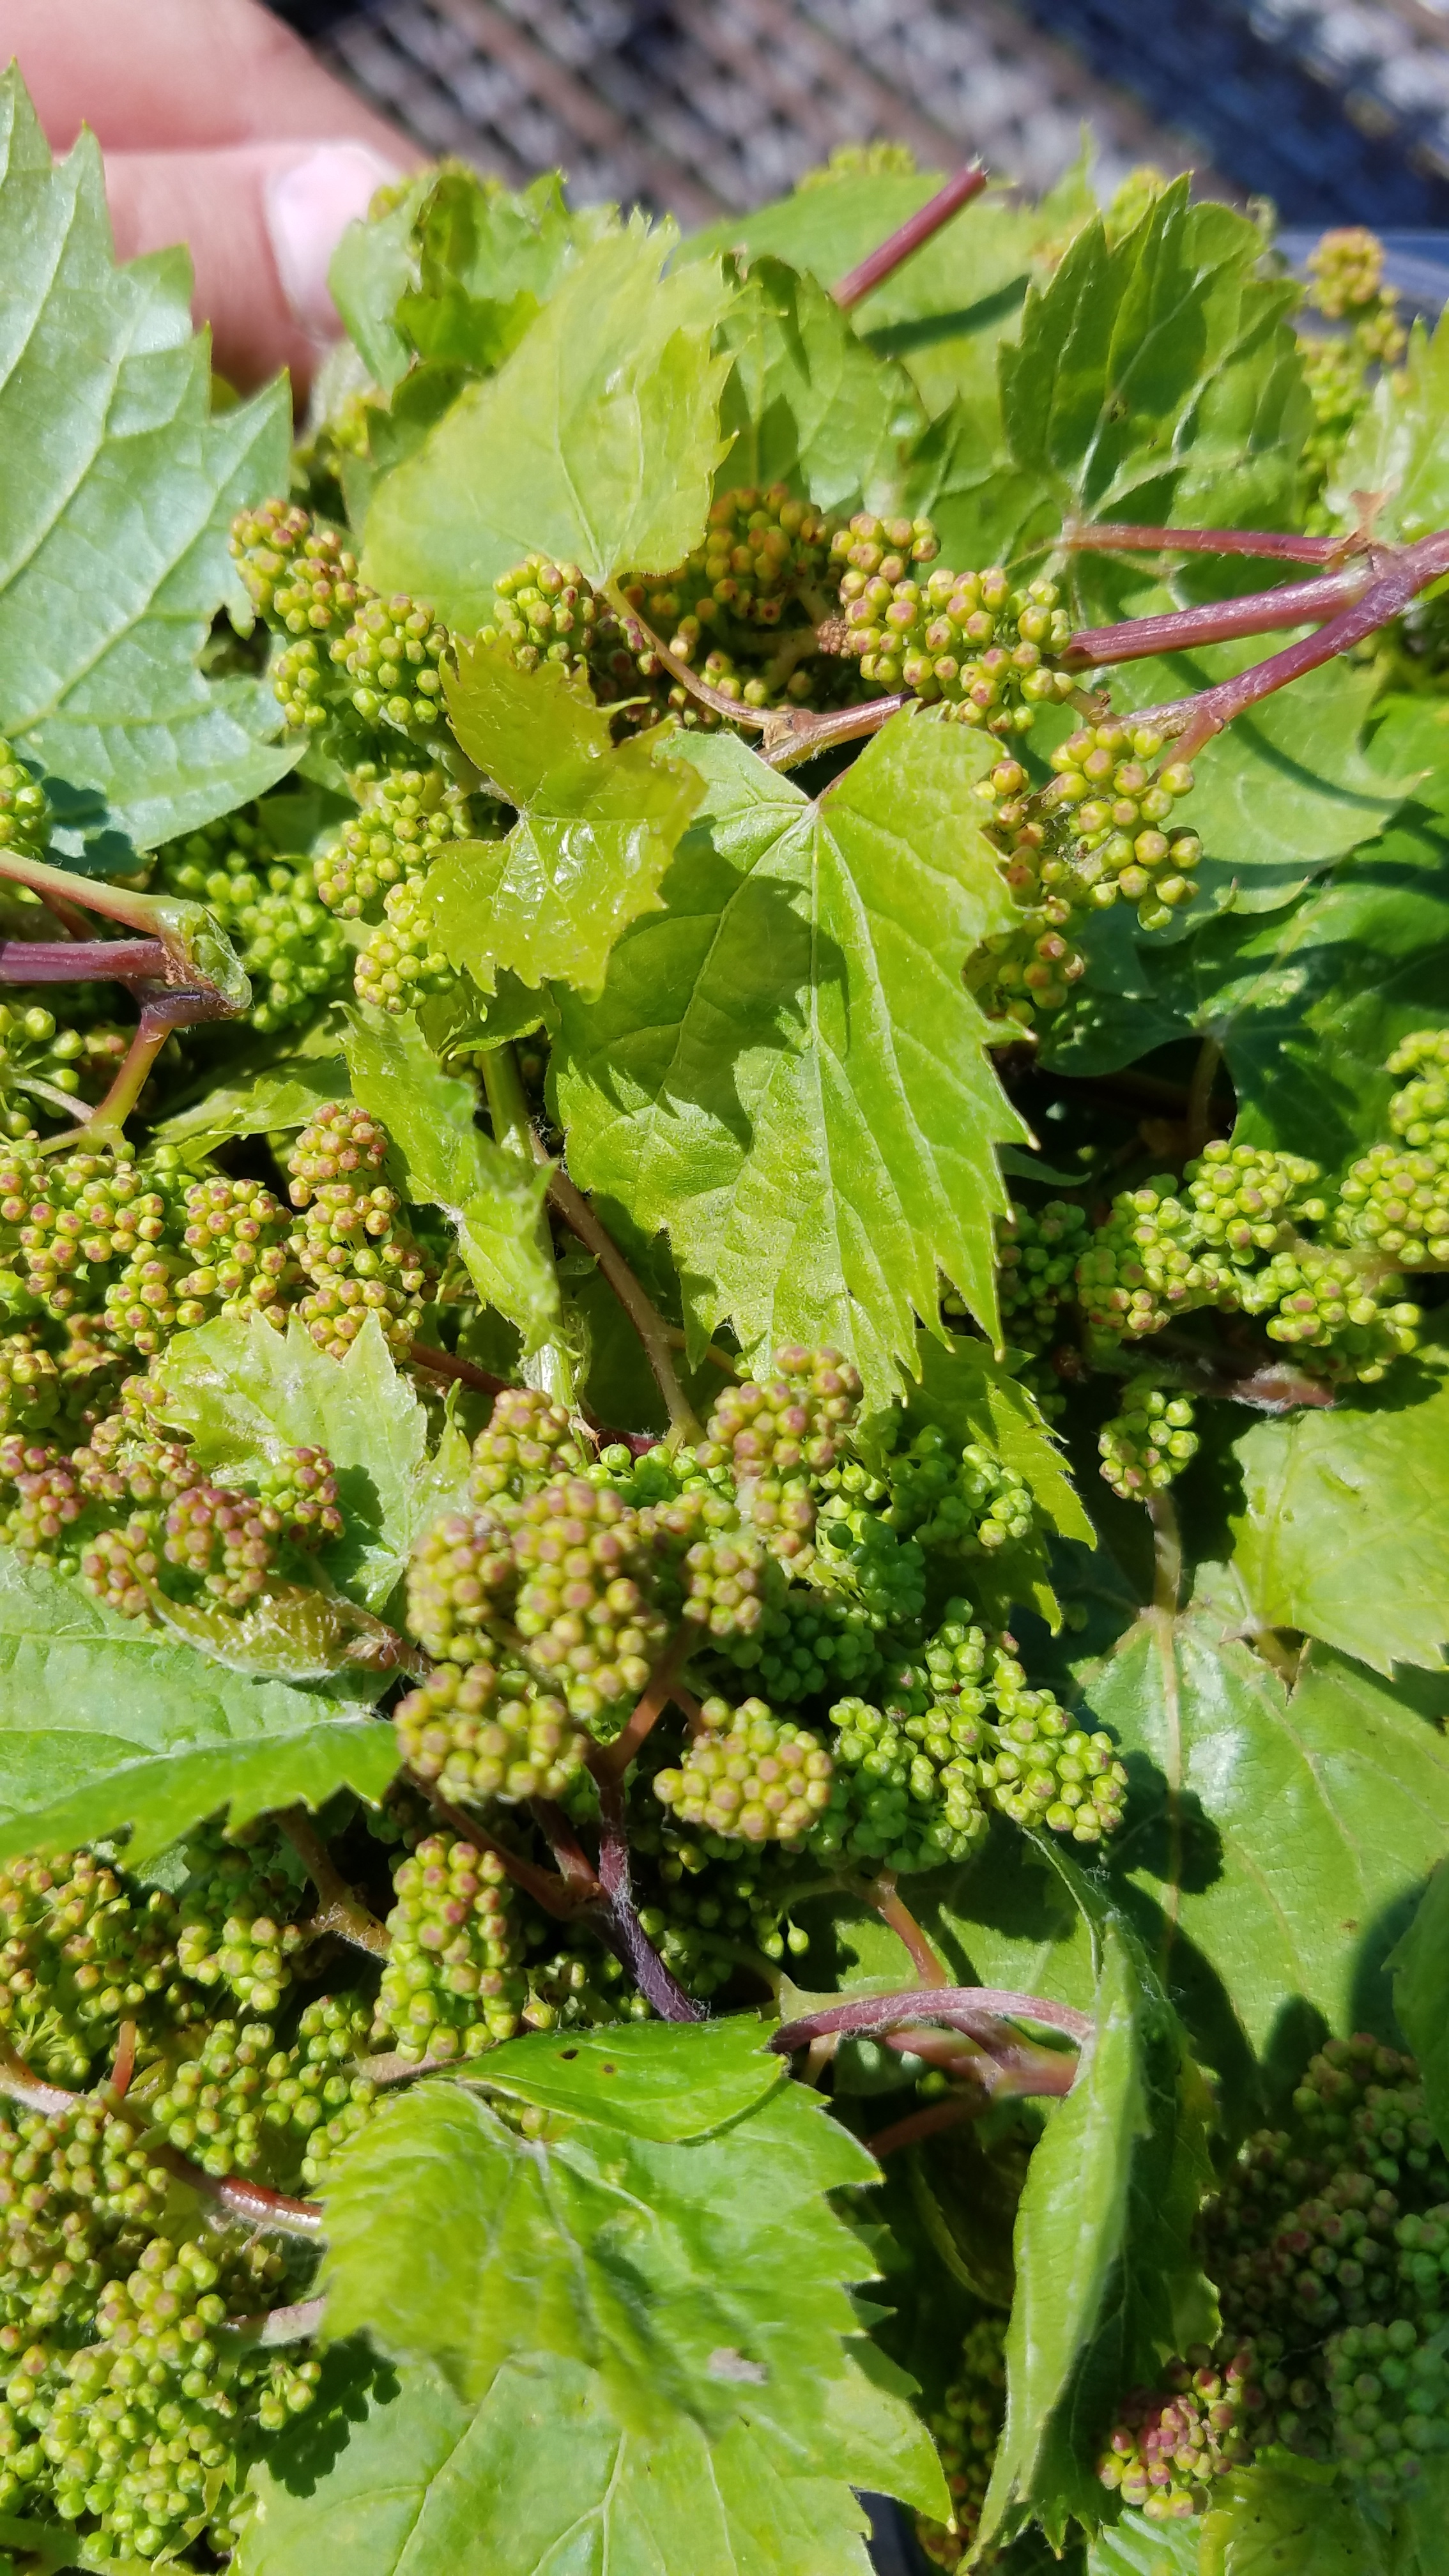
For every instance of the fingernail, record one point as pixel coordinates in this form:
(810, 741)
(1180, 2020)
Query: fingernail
(309, 207)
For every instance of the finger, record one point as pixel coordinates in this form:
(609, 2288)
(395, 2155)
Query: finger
(178, 75)
(261, 222)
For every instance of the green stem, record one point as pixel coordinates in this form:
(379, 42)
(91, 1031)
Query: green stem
(640, 1308)
(551, 1368)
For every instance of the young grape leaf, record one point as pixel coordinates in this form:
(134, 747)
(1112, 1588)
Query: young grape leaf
(1344, 1526)
(807, 403)
(686, 2291)
(1103, 2269)
(596, 442)
(244, 1395)
(784, 1070)
(1399, 451)
(487, 263)
(119, 491)
(106, 1724)
(1134, 2546)
(1420, 1967)
(494, 1203)
(596, 828)
(1291, 2518)
(1156, 376)
(1272, 1837)
(638, 2087)
(286, 1095)
(426, 2481)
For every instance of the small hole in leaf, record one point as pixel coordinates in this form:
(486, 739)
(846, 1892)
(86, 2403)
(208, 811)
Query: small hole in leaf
(567, 2054)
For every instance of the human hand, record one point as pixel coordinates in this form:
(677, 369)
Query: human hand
(218, 130)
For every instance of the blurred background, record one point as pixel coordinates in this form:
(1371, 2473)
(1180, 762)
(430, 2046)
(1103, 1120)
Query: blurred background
(1339, 114)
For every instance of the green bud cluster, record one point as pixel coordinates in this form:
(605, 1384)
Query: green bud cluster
(807, 1641)
(1233, 1238)
(79, 1954)
(211, 2106)
(239, 1235)
(860, 1557)
(777, 1440)
(1104, 787)
(527, 1441)
(1037, 1254)
(546, 612)
(482, 1735)
(357, 1254)
(1396, 1197)
(578, 1989)
(401, 964)
(967, 2427)
(30, 1384)
(968, 642)
(749, 1774)
(966, 1500)
(406, 819)
(1148, 1442)
(452, 1985)
(715, 1904)
(97, 1234)
(236, 1927)
(352, 660)
(568, 1570)
(1346, 285)
(1041, 1769)
(266, 900)
(906, 1787)
(1327, 2243)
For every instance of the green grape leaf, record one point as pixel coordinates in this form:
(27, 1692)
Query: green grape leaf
(1270, 1836)
(1134, 2546)
(373, 267)
(288, 1094)
(244, 1395)
(1282, 2519)
(596, 828)
(1420, 1968)
(596, 442)
(494, 1203)
(119, 491)
(1344, 1525)
(487, 263)
(418, 2486)
(1399, 450)
(947, 310)
(1156, 377)
(691, 2291)
(826, 228)
(140, 1731)
(784, 1070)
(582, 2072)
(807, 403)
(1103, 2269)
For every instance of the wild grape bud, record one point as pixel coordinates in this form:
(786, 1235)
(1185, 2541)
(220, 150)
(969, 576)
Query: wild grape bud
(212, 2104)
(236, 1232)
(1241, 1197)
(861, 1556)
(79, 1954)
(577, 1989)
(1325, 1301)
(298, 575)
(315, 2096)
(1038, 1252)
(968, 642)
(1420, 1112)
(795, 1423)
(1396, 1198)
(353, 1247)
(1389, 2387)
(393, 652)
(906, 1792)
(235, 1927)
(1116, 809)
(1147, 1263)
(749, 1775)
(222, 1542)
(528, 1440)
(544, 612)
(1148, 1442)
(342, 1143)
(584, 1601)
(1347, 269)
(297, 1495)
(452, 1985)
(40, 1056)
(406, 819)
(30, 1384)
(967, 1500)
(1039, 1768)
(725, 1583)
(91, 1230)
(1172, 2442)
(402, 963)
(24, 812)
(460, 1582)
(482, 1735)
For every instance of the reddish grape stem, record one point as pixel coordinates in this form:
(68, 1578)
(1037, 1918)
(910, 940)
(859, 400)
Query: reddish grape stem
(910, 236)
(893, 1910)
(1177, 630)
(543, 1885)
(640, 1308)
(627, 1935)
(613, 1760)
(926, 2124)
(81, 961)
(448, 1364)
(1125, 537)
(976, 2010)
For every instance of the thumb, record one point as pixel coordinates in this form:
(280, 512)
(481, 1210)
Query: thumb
(261, 221)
